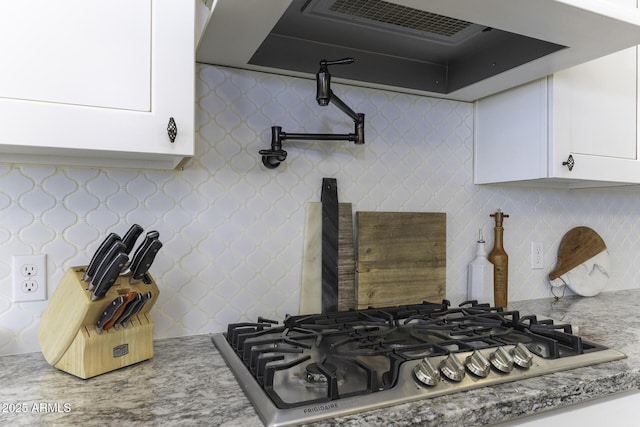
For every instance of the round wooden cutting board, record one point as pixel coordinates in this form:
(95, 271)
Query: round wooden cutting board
(581, 245)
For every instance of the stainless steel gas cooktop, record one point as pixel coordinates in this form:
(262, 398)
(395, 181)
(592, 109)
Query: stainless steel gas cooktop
(312, 367)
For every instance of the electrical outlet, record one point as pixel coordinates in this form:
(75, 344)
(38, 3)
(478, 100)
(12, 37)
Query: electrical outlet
(537, 255)
(29, 270)
(29, 277)
(29, 286)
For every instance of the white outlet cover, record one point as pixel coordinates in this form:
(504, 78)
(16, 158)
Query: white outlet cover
(537, 255)
(19, 282)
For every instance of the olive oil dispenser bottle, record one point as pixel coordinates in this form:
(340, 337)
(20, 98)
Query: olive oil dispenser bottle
(480, 275)
(500, 260)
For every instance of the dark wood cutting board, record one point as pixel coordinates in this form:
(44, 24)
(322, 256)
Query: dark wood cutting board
(577, 246)
(400, 258)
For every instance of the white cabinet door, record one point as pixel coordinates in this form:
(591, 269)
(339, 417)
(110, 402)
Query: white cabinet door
(95, 82)
(595, 115)
(88, 53)
(595, 104)
(511, 134)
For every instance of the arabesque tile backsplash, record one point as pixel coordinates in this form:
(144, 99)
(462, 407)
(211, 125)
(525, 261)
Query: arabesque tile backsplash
(233, 230)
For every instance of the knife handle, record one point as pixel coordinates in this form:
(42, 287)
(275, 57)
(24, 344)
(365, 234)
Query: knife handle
(145, 297)
(137, 255)
(142, 266)
(116, 248)
(130, 237)
(108, 312)
(128, 311)
(130, 296)
(109, 277)
(98, 255)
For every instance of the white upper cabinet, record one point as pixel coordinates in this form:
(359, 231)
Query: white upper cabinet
(576, 128)
(95, 83)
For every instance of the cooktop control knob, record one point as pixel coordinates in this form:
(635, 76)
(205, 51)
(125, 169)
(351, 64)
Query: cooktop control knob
(501, 360)
(426, 373)
(452, 368)
(477, 364)
(522, 357)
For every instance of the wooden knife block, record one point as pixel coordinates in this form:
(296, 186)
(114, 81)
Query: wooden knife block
(67, 333)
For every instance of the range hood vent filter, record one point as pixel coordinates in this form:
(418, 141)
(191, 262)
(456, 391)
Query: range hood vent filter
(395, 18)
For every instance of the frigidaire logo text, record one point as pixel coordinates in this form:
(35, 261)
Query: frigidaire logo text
(320, 408)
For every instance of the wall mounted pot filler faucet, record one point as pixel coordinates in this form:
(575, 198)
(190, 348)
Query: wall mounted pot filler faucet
(324, 95)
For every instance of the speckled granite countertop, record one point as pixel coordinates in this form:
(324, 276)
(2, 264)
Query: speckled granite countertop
(188, 383)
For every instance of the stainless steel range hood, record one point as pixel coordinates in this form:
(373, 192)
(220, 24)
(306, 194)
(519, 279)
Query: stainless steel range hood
(457, 49)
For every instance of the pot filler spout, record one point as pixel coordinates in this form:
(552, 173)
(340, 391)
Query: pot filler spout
(324, 95)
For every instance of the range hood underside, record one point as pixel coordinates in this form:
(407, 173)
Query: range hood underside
(488, 55)
(388, 54)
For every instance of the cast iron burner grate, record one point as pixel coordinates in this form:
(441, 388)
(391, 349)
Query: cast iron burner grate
(311, 359)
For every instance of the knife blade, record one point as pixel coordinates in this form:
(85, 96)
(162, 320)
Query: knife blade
(129, 309)
(135, 260)
(115, 249)
(99, 255)
(108, 312)
(140, 268)
(130, 237)
(145, 297)
(109, 276)
(128, 298)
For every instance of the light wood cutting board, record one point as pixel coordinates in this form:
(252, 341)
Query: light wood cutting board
(400, 258)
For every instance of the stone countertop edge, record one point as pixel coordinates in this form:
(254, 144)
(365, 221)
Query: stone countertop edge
(188, 383)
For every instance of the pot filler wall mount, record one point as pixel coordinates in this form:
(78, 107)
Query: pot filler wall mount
(324, 95)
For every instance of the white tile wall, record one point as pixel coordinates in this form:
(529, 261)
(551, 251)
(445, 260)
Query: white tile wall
(233, 229)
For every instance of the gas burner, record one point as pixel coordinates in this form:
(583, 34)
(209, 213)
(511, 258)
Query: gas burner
(317, 374)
